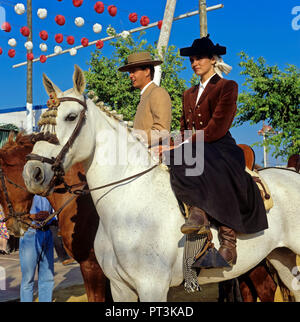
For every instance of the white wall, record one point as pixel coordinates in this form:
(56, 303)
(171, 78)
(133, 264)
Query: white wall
(19, 118)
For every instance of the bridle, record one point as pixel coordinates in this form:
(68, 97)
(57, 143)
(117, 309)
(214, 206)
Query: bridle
(12, 213)
(57, 163)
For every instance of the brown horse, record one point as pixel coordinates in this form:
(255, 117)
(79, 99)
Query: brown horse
(78, 221)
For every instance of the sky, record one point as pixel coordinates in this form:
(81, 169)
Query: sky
(268, 28)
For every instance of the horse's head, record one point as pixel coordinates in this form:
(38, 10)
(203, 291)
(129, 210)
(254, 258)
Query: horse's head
(14, 197)
(66, 120)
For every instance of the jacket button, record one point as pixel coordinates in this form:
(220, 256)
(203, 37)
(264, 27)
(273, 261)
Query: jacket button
(199, 114)
(201, 123)
(187, 120)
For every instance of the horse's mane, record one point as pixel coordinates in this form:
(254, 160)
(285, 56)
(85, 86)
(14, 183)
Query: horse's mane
(109, 111)
(113, 114)
(15, 145)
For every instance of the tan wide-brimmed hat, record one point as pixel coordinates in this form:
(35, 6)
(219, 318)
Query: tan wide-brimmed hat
(139, 59)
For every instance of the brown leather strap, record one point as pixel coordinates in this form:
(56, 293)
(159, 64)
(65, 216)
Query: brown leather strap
(36, 157)
(256, 179)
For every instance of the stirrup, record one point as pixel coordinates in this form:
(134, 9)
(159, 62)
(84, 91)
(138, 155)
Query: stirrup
(211, 259)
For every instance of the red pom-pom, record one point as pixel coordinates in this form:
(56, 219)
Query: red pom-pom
(60, 20)
(43, 58)
(144, 21)
(1, 51)
(99, 7)
(112, 10)
(6, 26)
(159, 24)
(30, 56)
(44, 35)
(133, 17)
(59, 38)
(70, 40)
(11, 53)
(77, 3)
(99, 44)
(84, 42)
(25, 31)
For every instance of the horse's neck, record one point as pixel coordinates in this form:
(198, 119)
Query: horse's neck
(117, 153)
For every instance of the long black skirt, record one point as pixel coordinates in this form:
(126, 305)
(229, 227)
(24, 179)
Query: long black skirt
(224, 190)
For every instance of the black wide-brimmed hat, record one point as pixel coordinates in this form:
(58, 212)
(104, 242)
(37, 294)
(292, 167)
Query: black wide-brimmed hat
(203, 46)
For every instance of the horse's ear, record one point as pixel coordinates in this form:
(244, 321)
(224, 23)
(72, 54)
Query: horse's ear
(49, 86)
(78, 80)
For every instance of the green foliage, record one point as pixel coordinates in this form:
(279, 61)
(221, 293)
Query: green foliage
(273, 96)
(114, 88)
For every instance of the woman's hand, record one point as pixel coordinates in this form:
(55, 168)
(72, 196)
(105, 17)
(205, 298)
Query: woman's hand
(158, 150)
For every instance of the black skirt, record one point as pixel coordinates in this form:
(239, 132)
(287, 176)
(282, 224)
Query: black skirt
(224, 190)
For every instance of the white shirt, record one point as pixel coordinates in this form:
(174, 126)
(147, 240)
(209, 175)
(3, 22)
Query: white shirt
(143, 90)
(202, 87)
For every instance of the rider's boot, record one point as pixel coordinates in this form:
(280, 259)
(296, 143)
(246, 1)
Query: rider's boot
(227, 237)
(197, 222)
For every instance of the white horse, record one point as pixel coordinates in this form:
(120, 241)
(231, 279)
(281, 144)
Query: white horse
(139, 244)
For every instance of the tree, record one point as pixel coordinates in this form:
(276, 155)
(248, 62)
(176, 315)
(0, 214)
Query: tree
(273, 96)
(114, 88)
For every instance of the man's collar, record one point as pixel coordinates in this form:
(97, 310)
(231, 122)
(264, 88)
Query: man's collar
(144, 89)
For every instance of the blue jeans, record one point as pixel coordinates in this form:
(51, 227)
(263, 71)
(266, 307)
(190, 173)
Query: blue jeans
(36, 251)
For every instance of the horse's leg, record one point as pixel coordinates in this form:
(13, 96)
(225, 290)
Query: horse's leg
(285, 263)
(153, 289)
(121, 292)
(95, 281)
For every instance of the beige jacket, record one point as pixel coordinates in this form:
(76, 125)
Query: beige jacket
(154, 114)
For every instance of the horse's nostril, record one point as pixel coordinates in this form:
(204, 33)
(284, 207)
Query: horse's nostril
(37, 174)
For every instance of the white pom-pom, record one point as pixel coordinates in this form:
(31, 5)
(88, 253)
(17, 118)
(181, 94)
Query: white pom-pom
(43, 47)
(19, 8)
(125, 34)
(42, 13)
(73, 51)
(97, 28)
(79, 22)
(28, 45)
(12, 42)
(57, 49)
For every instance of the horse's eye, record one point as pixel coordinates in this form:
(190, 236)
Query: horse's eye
(71, 117)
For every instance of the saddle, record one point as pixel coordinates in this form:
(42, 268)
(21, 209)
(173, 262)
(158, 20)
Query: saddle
(261, 184)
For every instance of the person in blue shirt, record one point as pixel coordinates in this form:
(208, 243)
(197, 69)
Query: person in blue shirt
(36, 252)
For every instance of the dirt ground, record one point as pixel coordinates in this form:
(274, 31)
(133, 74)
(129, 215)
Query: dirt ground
(209, 293)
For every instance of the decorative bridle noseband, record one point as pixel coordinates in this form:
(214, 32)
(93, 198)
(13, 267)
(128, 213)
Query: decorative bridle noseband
(57, 163)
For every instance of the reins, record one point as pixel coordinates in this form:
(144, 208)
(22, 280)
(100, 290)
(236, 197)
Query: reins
(87, 191)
